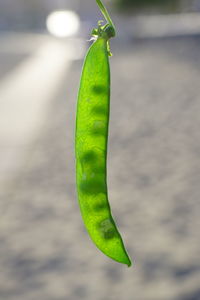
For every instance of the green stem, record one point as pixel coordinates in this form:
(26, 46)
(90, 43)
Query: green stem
(105, 13)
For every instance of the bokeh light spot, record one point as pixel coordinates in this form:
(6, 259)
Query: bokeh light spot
(63, 23)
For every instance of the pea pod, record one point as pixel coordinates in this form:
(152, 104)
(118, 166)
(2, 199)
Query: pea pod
(91, 144)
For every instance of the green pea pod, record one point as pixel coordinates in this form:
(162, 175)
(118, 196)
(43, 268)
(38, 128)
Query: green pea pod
(91, 145)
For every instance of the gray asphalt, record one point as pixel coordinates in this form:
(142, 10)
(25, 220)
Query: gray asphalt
(153, 178)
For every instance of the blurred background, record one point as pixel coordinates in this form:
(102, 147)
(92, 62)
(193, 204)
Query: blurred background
(153, 157)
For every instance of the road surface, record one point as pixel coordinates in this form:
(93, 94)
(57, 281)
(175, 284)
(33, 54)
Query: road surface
(153, 173)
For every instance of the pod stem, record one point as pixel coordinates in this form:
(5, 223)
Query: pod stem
(105, 14)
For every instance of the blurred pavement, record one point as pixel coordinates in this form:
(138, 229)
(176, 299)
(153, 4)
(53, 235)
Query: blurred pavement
(25, 92)
(153, 178)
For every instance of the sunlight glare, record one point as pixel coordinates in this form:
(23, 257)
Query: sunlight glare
(63, 23)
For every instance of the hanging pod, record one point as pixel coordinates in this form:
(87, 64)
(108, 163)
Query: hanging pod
(92, 121)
